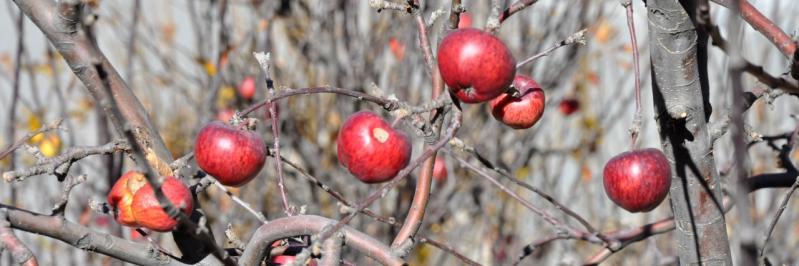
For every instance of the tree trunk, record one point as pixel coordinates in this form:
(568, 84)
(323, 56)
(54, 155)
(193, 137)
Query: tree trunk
(680, 91)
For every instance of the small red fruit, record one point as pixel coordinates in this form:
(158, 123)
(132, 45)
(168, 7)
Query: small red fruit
(289, 255)
(370, 149)
(440, 169)
(247, 88)
(148, 211)
(638, 180)
(121, 197)
(568, 106)
(465, 21)
(475, 65)
(524, 111)
(233, 156)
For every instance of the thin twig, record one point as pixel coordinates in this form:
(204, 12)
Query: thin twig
(628, 6)
(787, 148)
(263, 60)
(258, 215)
(446, 248)
(349, 206)
(60, 164)
(56, 124)
(576, 38)
(559, 225)
(68, 184)
(514, 8)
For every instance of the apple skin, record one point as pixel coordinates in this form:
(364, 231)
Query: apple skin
(149, 213)
(465, 20)
(476, 65)
(524, 111)
(233, 156)
(440, 169)
(247, 88)
(370, 149)
(568, 106)
(639, 180)
(121, 197)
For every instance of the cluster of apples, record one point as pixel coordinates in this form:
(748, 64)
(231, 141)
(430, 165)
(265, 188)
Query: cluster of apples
(478, 67)
(134, 203)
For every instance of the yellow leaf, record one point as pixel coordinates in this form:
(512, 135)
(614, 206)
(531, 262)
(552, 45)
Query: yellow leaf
(34, 123)
(210, 68)
(604, 32)
(225, 96)
(50, 146)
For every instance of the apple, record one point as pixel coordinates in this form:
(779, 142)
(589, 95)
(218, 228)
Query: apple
(148, 211)
(568, 106)
(232, 155)
(638, 180)
(121, 197)
(523, 111)
(440, 169)
(370, 149)
(247, 88)
(289, 255)
(465, 20)
(476, 65)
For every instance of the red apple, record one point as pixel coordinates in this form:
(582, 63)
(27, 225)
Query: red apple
(638, 180)
(370, 149)
(148, 211)
(440, 169)
(524, 111)
(121, 197)
(247, 88)
(233, 156)
(475, 65)
(568, 106)
(465, 21)
(288, 256)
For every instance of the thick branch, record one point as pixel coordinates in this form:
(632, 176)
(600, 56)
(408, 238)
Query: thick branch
(76, 235)
(300, 225)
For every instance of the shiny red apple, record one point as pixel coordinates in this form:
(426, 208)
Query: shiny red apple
(568, 106)
(638, 180)
(476, 65)
(370, 149)
(440, 169)
(523, 111)
(148, 211)
(247, 88)
(232, 155)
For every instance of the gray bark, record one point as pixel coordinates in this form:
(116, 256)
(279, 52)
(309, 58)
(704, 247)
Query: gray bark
(680, 92)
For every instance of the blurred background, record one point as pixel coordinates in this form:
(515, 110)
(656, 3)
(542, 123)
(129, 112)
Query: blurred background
(186, 59)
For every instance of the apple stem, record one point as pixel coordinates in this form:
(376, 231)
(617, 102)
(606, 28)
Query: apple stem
(635, 129)
(396, 121)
